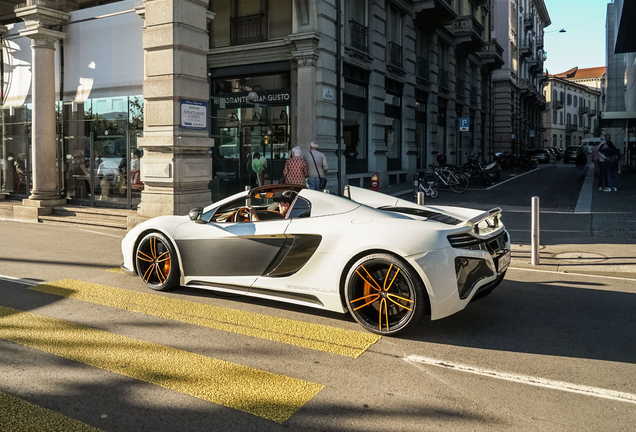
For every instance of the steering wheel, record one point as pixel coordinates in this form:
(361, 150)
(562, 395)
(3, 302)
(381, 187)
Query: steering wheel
(242, 215)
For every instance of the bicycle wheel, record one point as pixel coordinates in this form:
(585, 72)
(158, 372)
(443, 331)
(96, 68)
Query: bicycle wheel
(461, 185)
(434, 193)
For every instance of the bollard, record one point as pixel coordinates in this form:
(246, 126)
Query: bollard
(535, 230)
(420, 198)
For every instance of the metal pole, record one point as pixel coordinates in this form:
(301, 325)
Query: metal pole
(420, 198)
(535, 230)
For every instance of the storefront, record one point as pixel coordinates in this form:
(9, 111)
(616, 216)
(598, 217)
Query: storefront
(97, 156)
(250, 124)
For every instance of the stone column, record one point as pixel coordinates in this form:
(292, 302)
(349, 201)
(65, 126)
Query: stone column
(38, 21)
(304, 60)
(176, 167)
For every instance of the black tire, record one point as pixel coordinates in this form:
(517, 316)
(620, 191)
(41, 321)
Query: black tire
(486, 178)
(157, 263)
(462, 184)
(383, 310)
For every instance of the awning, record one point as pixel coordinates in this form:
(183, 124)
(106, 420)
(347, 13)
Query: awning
(618, 119)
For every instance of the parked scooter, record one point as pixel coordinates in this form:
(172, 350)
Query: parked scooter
(488, 174)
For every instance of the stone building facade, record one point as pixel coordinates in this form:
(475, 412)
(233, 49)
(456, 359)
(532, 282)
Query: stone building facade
(518, 86)
(200, 86)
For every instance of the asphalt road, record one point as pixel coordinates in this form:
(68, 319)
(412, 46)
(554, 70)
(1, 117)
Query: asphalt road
(544, 352)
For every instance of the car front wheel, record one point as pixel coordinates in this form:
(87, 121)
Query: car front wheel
(156, 262)
(384, 295)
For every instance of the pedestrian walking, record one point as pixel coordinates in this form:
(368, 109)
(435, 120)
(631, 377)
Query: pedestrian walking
(581, 163)
(602, 180)
(295, 171)
(611, 164)
(316, 167)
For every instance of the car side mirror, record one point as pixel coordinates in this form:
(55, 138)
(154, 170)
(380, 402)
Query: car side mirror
(195, 215)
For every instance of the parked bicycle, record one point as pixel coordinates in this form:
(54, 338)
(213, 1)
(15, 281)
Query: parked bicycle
(429, 188)
(444, 176)
(473, 169)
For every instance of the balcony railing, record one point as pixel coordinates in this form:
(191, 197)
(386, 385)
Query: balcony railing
(583, 109)
(422, 68)
(528, 20)
(586, 129)
(591, 112)
(557, 104)
(469, 31)
(570, 127)
(247, 29)
(395, 55)
(358, 36)
(443, 78)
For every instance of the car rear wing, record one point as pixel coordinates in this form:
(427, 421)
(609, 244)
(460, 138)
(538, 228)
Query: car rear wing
(487, 222)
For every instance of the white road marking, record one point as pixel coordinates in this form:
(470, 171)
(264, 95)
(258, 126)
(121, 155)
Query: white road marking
(511, 178)
(23, 281)
(102, 233)
(528, 380)
(572, 273)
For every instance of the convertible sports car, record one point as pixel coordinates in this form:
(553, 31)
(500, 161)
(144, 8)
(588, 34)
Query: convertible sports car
(385, 260)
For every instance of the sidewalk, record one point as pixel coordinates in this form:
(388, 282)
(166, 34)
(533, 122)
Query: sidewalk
(598, 238)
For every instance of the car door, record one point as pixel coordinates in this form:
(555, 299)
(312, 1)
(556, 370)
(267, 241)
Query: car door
(228, 256)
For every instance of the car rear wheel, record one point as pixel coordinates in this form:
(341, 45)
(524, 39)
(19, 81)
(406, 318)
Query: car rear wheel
(384, 295)
(156, 262)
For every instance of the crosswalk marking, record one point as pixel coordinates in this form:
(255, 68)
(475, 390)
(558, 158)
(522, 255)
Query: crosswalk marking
(307, 335)
(20, 415)
(264, 394)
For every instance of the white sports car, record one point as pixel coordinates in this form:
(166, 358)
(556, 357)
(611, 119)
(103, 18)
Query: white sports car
(385, 260)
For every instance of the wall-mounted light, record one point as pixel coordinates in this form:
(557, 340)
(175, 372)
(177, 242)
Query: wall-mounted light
(11, 110)
(74, 106)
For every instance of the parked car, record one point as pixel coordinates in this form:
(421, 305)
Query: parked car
(542, 155)
(570, 153)
(385, 260)
(559, 152)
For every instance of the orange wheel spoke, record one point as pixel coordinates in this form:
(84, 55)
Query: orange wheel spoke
(148, 273)
(384, 287)
(372, 279)
(153, 247)
(367, 282)
(400, 297)
(143, 258)
(400, 304)
(374, 299)
(392, 280)
(145, 255)
(160, 275)
(164, 257)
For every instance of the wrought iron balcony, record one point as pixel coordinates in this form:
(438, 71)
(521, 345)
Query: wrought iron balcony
(524, 85)
(557, 104)
(528, 20)
(436, 12)
(395, 55)
(591, 112)
(583, 109)
(570, 127)
(534, 64)
(247, 29)
(586, 129)
(469, 32)
(358, 36)
(422, 68)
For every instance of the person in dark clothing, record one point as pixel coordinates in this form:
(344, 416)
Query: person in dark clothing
(581, 163)
(612, 158)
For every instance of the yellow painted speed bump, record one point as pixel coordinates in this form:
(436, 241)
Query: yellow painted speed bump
(264, 394)
(307, 335)
(19, 415)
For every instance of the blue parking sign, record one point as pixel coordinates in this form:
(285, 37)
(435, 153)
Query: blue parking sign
(464, 124)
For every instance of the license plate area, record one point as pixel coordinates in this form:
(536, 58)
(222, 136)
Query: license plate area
(503, 261)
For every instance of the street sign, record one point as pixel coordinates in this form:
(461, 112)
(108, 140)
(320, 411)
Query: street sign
(464, 124)
(193, 114)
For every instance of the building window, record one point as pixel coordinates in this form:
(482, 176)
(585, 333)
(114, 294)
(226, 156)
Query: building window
(356, 18)
(239, 22)
(569, 99)
(575, 101)
(394, 36)
(422, 66)
(554, 117)
(355, 104)
(393, 126)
